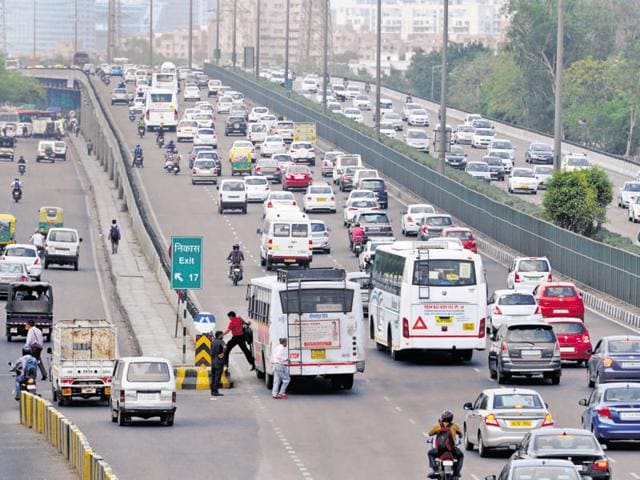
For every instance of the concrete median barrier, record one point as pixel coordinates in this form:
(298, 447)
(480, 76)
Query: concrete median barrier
(198, 378)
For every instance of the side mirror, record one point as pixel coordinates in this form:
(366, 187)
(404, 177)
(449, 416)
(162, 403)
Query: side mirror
(80, 239)
(580, 294)
(468, 406)
(513, 447)
(546, 405)
(583, 401)
(49, 351)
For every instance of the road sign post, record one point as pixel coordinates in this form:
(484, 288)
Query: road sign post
(186, 263)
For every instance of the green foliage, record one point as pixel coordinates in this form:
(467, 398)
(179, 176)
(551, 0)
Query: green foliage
(599, 181)
(16, 88)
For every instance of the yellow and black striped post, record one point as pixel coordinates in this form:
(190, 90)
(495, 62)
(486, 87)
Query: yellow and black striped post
(203, 350)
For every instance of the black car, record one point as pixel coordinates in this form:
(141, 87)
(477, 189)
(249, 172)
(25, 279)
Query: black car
(539, 153)
(377, 186)
(574, 444)
(235, 126)
(496, 167)
(456, 157)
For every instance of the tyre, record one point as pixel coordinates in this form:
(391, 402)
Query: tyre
(268, 381)
(555, 379)
(466, 355)
(327, 251)
(590, 382)
(122, 419)
(46, 265)
(262, 262)
(61, 401)
(268, 265)
(75, 265)
(259, 374)
(482, 450)
(503, 378)
(468, 446)
(395, 354)
(9, 338)
(54, 394)
(347, 382)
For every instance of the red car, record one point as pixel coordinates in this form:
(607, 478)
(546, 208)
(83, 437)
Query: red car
(464, 235)
(573, 337)
(296, 176)
(559, 299)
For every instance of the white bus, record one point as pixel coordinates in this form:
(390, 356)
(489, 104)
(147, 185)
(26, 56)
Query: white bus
(161, 108)
(165, 80)
(428, 296)
(320, 313)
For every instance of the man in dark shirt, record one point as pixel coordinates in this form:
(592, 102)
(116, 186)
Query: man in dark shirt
(217, 362)
(236, 327)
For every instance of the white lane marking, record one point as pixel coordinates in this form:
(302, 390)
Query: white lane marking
(398, 409)
(387, 399)
(476, 369)
(412, 421)
(475, 477)
(635, 475)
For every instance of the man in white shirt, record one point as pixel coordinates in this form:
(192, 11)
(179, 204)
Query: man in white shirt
(281, 377)
(35, 342)
(37, 239)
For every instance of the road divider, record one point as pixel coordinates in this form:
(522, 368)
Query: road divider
(198, 378)
(39, 415)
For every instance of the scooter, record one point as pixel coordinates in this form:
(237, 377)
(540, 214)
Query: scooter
(357, 248)
(106, 79)
(138, 161)
(171, 167)
(132, 117)
(22, 168)
(141, 131)
(16, 193)
(27, 384)
(235, 274)
(160, 141)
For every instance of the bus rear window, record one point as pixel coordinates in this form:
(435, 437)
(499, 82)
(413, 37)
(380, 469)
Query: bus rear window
(444, 273)
(161, 97)
(316, 300)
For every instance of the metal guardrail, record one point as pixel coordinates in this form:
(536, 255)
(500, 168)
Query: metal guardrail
(608, 269)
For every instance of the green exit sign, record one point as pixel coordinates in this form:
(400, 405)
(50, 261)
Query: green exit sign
(186, 263)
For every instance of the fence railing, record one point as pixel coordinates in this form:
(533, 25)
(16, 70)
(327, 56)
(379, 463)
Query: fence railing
(608, 269)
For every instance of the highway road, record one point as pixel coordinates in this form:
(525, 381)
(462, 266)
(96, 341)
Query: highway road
(76, 295)
(617, 217)
(374, 431)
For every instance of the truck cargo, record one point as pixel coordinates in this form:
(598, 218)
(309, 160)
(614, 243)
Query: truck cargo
(83, 356)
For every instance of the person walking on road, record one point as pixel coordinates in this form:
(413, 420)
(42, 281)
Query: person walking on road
(114, 236)
(218, 348)
(281, 377)
(34, 342)
(236, 327)
(89, 147)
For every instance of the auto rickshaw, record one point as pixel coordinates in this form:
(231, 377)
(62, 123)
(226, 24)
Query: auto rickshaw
(7, 230)
(26, 301)
(240, 160)
(50, 217)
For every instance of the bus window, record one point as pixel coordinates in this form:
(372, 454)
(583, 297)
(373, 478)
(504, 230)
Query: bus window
(299, 230)
(316, 300)
(444, 273)
(161, 97)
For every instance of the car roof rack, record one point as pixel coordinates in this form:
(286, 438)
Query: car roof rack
(311, 275)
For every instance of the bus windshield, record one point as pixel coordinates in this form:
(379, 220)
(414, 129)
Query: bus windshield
(444, 273)
(316, 300)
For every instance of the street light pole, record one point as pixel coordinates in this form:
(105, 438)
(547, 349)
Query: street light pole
(217, 52)
(190, 34)
(75, 26)
(325, 60)
(235, 17)
(433, 68)
(443, 88)
(34, 30)
(557, 130)
(151, 33)
(378, 62)
(286, 47)
(257, 66)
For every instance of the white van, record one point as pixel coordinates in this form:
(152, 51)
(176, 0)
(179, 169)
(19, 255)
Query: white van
(285, 239)
(213, 86)
(345, 160)
(256, 133)
(143, 387)
(232, 195)
(62, 247)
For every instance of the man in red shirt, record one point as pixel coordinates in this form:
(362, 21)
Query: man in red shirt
(236, 327)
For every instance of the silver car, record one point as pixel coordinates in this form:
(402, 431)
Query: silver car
(320, 236)
(501, 417)
(11, 271)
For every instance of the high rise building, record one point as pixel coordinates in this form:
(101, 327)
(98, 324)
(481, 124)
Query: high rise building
(50, 25)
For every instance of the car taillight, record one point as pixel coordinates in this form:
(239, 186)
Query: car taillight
(602, 464)
(409, 218)
(310, 245)
(604, 412)
(270, 245)
(270, 204)
(277, 169)
(173, 397)
(538, 311)
(122, 395)
(147, 114)
(516, 278)
(607, 362)
(586, 339)
(308, 199)
(550, 278)
(483, 328)
(194, 171)
(548, 421)
(294, 203)
(405, 328)
(556, 349)
(258, 169)
(496, 310)
(504, 348)
(105, 379)
(332, 198)
(352, 209)
(491, 420)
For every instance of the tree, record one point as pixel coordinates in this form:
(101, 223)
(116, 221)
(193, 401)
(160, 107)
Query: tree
(15, 88)
(467, 81)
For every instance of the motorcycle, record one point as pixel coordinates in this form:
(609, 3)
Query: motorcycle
(141, 131)
(235, 274)
(445, 466)
(171, 167)
(357, 247)
(27, 384)
(106, 79)
(138, 161)
(132, 117)
(160, 141)
(22, 168)
(16, 193)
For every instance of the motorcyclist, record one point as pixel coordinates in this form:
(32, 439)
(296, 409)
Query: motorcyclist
(25, 131)
(367, 87)
(160, 136)
(137, 152)
(122, 84)
(345, 82)
(444, 444)
(141, 123)
(21, 160)
(357, 235)
(409, 99)
(171, 146)
(26, 366)
(235, 258)
(37, 239)
(16, 184)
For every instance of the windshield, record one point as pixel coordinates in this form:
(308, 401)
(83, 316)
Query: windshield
(418, 111)
(575, 443)
(630, 394)
(281, 196)
(148, 372)
(578, 162)
(363, 204)
(517, 400)
(533, 265)
(523, 172)
(161, 97)
(444, 273)
(256, 181)
(319, 300)
(544, 170)
(443, 221)
(205, 164)
(484, 132)
(500, 145)
(417, 134)
(461, 234)
(517, 299)
(19, 252)
(233, 187)
(456, 150)
(62, 236)
(380, 218)
(205, 131)
(421, 209)
(207, 155)
(8, 267)
(632, 187)
(326, 190)
(318, 227)
(545, 472)
(372, 184)
(477, 167)
(541, 147)
(494, 161)
(624, 346)
(531, 334)
(568, 327)
(559, 292)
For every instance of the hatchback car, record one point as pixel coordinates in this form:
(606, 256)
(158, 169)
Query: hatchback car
(256, 113)
(353, 114)
(204, 171)
(27, 254)
(543, 174)
(508, 306)
(573, 337)
(527, 349)
(210, 155)
(496, 167)
(320, 236)
(503, 145)
(258, 188)
(272, 144)
(412, 217)
(345, 180)
(522, 180)
(501, 417)
(456, 157)
(559, 299)
(628, 192)
(375, 224)
(417, 139)
(279, 200)
(362, 102)
(205, 136)
(296, 176)
(615, 359)
(482, 137)
(319, 197)
(550, 469)
(418, 118)
(613, 412)
(463, 134)
(353, 207)
(192, 93)
(328, 162)
(526, 273)
(303, 152)
(11, 271)
(432, 225)
(465, 235)
(120, 95)
(479, 170)
(539, 153)
(62, 247)
(268, 168)
(377, 186)
(576, 445)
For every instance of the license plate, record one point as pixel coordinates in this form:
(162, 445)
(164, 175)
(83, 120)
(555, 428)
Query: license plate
(321, 199)
(87, 390)
(320, 354)
(520, 423)
(630, 415)
(444, 320)
(525, 187)
(630, 364)
(468, 326)
(299, 177)
(14, 330)
(289, 260)
(567, 349)
(234, 196)
(560, 310)
(148, 396)
(531, 353)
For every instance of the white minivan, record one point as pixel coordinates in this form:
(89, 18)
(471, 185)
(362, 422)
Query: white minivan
(232, 195)
(62, 247)
(286, 239)
(143, 387)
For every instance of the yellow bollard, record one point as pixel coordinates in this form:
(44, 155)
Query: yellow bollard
(87, 464)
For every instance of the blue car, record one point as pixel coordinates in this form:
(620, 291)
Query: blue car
(377, 186)
(615, 359)
(613, 412)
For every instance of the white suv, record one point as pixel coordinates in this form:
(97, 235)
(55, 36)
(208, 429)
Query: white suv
(62, 247)
(232, 195)
(526, 273)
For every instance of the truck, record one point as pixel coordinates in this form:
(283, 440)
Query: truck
(304, 132)
(83, 355)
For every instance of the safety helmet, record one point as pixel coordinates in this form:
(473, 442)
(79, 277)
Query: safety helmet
(26, 351)
(236, 247)
(446, 416)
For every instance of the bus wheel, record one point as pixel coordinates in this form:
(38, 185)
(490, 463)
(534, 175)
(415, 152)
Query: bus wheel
(395, 354)
(260, 374)
(463, 355)
(347, 381)
(372, 330)
(268, 380)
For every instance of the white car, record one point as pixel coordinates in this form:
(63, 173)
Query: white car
(503, 145)
(543, 174)
(392, 120)
(418, 118)
(369, 251)
(283, 159)
(204, 106)
(273, 144)
(186, 130)
(353, 114)
(361, 194)
(258, 188)
(412, 218)
(279, 200)
(303, 152)
(463, 134)
(256, 113)
(232, 195)
(628, 192)
(224, 105)
(204, 171)
(352, 92)
(320, 236)
(256, 132)
(190, 113)
(319, 197)
(574, 162)
(205, 136)
(416, 138)
(482, 137)
(523, 180)
(526, 273)
(26, 254)
(408, 107)
(507, 161)
(634, 210)
(309, 86)
(204, 119)
(362, 102)
(269, 120)
(192, 93)
(357, 205)
(386, 106)
(479, 170)
(509, 306)
(334, 107)
(389, 132)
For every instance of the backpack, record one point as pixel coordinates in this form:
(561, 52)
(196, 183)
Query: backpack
(444, 441)
(114, 233)
(30, 367)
